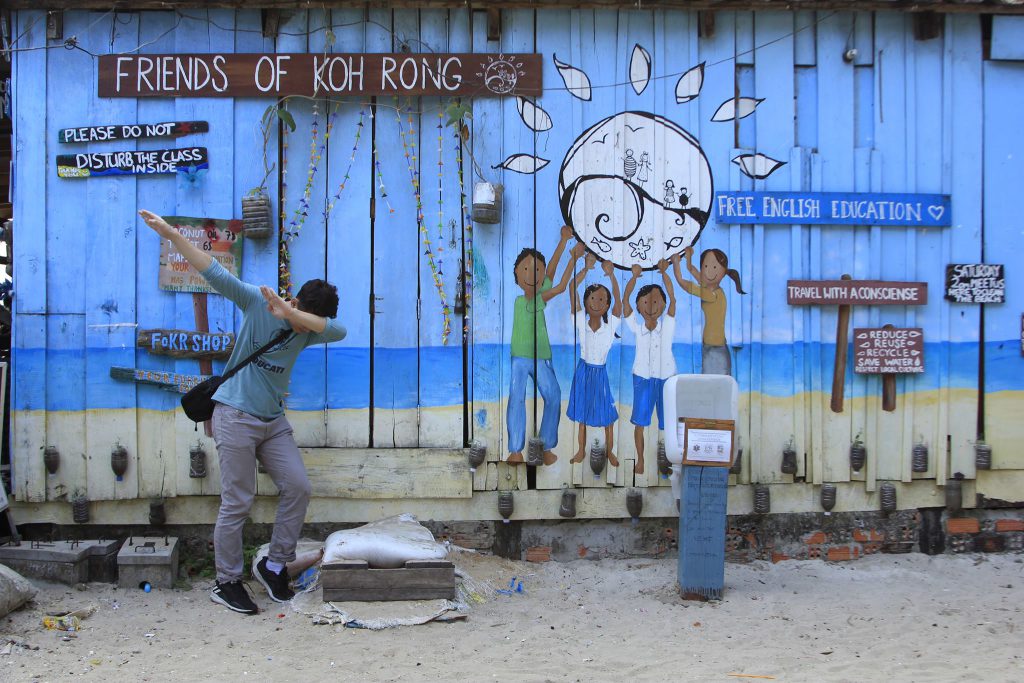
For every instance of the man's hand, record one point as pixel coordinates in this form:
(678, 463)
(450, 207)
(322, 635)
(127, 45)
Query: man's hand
(157, 224)
(283, 310)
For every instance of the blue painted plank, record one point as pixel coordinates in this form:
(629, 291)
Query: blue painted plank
(1007, 38)
(702, 507)
(804, 48)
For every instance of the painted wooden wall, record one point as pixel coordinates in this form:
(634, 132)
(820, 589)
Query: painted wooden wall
(904, 116)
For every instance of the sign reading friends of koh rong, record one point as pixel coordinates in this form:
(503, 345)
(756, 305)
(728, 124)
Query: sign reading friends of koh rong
(278, 75)
(141, 162)
(888, 350)
(222, 239)
(186, 344)
(856, 293)
(833, 208)
(975, 283)
(132, 131)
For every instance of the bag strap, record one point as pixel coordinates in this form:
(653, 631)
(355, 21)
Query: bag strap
(279, 337)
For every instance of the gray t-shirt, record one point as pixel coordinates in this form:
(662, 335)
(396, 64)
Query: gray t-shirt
(259, 387)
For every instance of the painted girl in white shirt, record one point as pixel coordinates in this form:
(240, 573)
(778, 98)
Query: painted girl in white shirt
(590, 399)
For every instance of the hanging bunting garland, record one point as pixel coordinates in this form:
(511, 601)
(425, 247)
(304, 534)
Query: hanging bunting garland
(380, 174)
(351, 160)
(467, 222)
(409, 147)
(284, 276)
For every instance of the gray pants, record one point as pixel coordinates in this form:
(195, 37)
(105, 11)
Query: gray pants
(716, 360)
(242, 439)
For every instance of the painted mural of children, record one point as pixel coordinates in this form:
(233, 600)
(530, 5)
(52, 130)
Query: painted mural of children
(654, 362)
(643, 168)
(590, 398)
(714, 266)
(670, 193)
(531, 349)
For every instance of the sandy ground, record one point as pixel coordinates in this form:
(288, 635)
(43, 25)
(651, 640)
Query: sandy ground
(882, 618)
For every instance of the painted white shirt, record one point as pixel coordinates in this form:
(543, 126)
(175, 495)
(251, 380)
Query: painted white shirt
(653, 347)
(594, 346)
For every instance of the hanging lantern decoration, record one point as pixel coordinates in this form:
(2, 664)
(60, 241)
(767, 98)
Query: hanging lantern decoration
(858, 455)
(982, 456)
(80, 509)
(634, 504)
(506, 506)
(737, 464)
(487, 202)
(788, 459)
(919, 458)
(828, 496)
(196, 462)
(157, 512)
(535, 452)
(119, 461)
(568, 506)
(598, 457)
(954, 493)
(256, 215)
(664, 466)
(477, 455)
(762, 499)
(887, 495)
(51, 459)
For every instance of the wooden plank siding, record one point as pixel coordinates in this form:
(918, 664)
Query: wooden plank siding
(389, 412)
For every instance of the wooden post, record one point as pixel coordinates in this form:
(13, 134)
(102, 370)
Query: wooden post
(839, 371)
(199, 308)
(888, 386)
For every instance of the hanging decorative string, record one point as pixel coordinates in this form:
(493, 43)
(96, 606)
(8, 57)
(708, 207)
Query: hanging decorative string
(467, 222)
(284, 277)
(439, 246)
(380, 174)
(409, 148)
(316, 153)
(351, 160)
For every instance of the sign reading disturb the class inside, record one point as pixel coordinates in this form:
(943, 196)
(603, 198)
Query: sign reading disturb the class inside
(279, 75)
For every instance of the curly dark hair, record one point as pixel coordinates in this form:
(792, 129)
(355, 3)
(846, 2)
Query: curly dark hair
(319, 297)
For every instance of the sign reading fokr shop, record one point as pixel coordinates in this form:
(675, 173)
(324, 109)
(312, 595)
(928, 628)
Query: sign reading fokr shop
(277, 75)
(883, 350)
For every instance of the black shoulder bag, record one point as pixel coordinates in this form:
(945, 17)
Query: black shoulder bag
(198, 402)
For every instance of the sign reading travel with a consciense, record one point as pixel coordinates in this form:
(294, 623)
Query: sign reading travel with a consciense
(885, 350)
(141, 162)
(131, 131)
(975, 283)
(833, 208)
(221, 238)
(856, 292)
(278, 75)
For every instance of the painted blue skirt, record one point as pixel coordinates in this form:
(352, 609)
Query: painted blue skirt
(590, 399)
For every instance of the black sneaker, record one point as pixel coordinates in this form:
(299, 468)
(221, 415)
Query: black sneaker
(276, 584)
(234, 596)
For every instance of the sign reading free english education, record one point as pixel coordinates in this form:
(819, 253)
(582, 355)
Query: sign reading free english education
(833, 208)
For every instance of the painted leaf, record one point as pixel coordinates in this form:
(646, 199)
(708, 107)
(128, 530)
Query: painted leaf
(757, 166)
(689, 84)
(523, 163)
(535, 118)
(639, 68)
(576, 82)
(736, 108)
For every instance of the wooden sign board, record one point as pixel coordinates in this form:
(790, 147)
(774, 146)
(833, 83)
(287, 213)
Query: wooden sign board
(888, 350)
(975, 283)
(833, 208)
(707, 442)
(132, 131)
(186, 344)
(221, 238)
(171, 381)
(856, 293)
(356, 74)
(140, 162)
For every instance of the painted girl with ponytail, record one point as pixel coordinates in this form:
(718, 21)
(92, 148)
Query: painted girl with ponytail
(714, 267)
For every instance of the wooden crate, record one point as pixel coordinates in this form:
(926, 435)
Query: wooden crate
(418, 580)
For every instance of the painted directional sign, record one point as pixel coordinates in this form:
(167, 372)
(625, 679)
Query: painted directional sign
(131, 131)
(169, 381)
(856, 292)
(975, 283)
(186, 343)
(141, 162)
(833, 208)
(888, 350)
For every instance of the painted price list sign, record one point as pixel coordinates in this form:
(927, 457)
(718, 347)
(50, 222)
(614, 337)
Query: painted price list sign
(222, 239)
(888, 350)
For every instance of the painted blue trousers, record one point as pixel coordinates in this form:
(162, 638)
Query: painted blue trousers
(515, 418)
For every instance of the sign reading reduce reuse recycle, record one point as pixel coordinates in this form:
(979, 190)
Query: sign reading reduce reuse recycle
(833, 208)
(888, 350)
